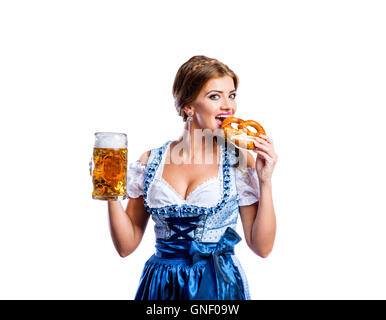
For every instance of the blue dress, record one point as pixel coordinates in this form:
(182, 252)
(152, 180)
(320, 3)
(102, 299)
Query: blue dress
(186, 266)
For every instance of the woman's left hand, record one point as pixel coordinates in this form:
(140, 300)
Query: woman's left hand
(266, 157)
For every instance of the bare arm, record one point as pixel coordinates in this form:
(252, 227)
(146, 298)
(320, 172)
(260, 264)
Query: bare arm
(128, 226)
(258, 219)
(259, 222)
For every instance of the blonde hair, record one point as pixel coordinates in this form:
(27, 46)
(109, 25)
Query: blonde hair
(193, 75)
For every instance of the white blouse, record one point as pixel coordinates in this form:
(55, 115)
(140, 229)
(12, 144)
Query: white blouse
(207, 194)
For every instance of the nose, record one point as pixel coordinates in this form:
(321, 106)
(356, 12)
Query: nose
(227, 105)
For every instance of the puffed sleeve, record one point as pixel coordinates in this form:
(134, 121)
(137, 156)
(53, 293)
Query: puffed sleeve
(135, 176)
(247, 184)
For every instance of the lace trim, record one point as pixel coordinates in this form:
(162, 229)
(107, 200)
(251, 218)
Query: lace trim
(185, 209)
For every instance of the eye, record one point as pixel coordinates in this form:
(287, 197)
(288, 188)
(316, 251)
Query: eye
(213, 96)
(233, 95)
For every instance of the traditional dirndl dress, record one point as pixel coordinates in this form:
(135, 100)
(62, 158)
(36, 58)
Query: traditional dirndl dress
(195, 238)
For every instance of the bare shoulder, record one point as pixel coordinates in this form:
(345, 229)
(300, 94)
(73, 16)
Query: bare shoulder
(144, 157)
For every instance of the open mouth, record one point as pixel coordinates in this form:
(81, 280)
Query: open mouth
(220, 118)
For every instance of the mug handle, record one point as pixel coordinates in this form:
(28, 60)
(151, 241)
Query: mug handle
(91, 166)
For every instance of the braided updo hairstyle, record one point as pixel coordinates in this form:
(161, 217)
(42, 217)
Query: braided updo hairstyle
(193, 75)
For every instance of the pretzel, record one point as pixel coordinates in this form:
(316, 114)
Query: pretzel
(246, 136)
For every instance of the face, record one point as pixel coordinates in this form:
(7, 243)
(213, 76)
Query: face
(216, 97)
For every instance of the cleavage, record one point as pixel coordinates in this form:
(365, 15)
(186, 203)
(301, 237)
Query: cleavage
(185, 179)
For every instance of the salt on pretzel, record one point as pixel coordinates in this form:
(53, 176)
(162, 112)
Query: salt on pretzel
(242, 136)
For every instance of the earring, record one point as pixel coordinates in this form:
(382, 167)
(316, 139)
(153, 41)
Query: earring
(189, 120)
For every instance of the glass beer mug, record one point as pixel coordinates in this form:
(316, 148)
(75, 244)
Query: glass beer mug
(109, 166)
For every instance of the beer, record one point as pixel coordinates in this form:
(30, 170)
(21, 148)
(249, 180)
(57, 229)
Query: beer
(110, 165)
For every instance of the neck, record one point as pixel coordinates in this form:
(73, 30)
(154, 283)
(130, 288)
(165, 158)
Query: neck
(197, 145)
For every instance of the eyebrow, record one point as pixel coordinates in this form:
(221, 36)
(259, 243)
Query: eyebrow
(219, 91)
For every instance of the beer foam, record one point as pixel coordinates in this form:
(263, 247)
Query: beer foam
(110, 140)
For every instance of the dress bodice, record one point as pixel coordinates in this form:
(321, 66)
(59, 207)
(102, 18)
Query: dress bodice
(176, 218)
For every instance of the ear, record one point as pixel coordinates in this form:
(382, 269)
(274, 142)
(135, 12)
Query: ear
(188, 109)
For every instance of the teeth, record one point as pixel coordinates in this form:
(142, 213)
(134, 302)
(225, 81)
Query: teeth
(223, 116)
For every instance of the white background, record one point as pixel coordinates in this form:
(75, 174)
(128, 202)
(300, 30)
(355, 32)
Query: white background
(312, 72)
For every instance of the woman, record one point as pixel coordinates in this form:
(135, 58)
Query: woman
(195, 200)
